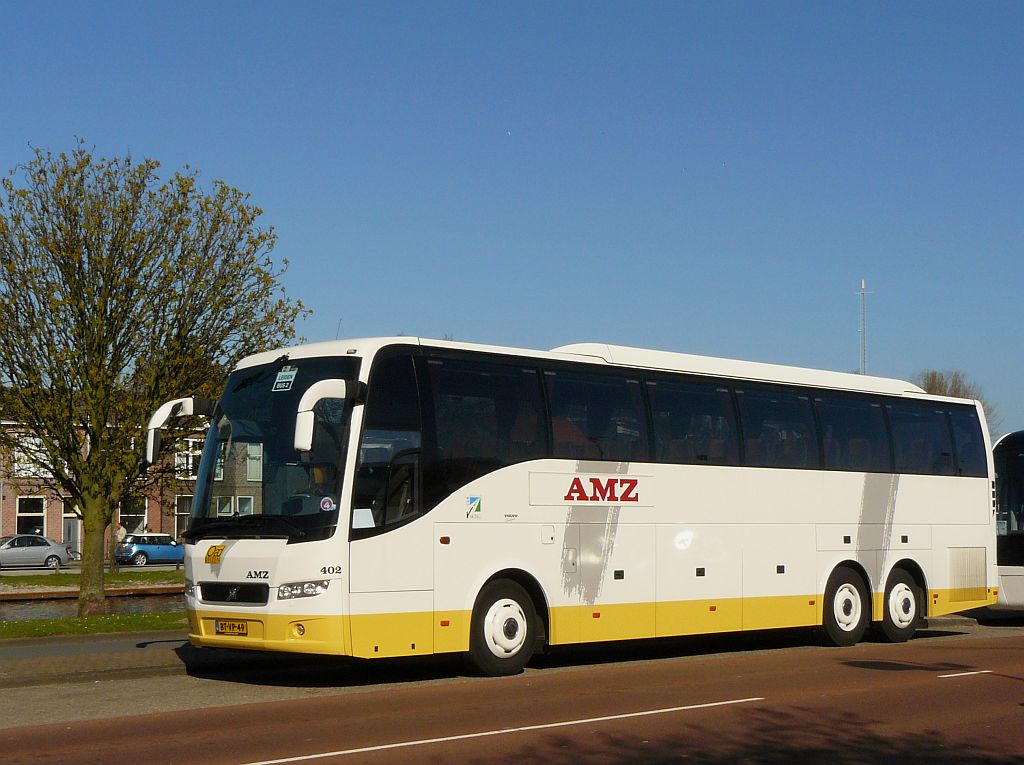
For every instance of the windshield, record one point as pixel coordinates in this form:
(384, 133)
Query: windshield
(251, 482)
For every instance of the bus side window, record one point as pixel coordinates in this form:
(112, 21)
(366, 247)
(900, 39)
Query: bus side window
(853, 433)
(970, 445)
(486, 415)
(597, 417)
(386, 488)
(779, 428)
(921, 438)
(694, 423)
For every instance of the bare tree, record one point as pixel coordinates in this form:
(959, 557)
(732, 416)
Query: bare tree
(118, 291)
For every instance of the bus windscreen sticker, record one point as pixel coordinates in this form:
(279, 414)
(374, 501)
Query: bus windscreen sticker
(284, 379)
(473, 507)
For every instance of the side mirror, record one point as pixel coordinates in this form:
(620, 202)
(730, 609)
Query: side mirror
(349, 390)
(179, 407)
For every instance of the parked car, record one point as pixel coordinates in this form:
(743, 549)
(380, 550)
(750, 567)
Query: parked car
(140, 549)
(24, 550)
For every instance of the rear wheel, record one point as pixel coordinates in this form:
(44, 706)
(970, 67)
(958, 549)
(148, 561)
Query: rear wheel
(140, 559)
(504, 629)
(902, 607)
(846, 608)
(52, 562)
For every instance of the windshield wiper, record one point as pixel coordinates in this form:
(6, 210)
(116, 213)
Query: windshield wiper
(241, 527)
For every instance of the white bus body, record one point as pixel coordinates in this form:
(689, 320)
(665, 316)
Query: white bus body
(465, 498)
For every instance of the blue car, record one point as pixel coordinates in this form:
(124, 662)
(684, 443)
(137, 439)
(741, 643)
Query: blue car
(140, 549)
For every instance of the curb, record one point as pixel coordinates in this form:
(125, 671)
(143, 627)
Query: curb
(113, 592)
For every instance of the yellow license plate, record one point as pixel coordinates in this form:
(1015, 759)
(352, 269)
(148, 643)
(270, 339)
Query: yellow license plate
(230, 627)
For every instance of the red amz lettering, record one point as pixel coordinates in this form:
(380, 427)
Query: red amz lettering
(603, 490)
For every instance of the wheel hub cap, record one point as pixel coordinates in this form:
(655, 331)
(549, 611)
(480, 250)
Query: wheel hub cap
(846, 606)
(505, 628)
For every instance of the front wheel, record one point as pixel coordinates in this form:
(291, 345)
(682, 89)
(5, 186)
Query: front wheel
(846, 608)
(503, 631)
(140, 559)
(902, 607)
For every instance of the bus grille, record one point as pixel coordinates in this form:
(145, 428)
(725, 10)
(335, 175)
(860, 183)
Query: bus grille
(232, 593)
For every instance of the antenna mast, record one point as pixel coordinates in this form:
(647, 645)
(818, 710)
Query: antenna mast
(863, 327)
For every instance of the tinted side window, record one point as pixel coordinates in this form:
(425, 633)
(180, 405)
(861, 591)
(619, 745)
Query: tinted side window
(1009, 464)
(693, 422)
(853, 433)
(386, 490)
(921, 438)
(778, 428)
(597, 416)
(970, 444)
(486, 416)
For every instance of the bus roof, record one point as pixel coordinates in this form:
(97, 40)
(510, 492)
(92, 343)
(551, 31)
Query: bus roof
(620, 356)
(737, 369)
(1014, 440)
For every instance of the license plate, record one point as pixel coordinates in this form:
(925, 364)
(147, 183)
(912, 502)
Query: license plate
(230, 627)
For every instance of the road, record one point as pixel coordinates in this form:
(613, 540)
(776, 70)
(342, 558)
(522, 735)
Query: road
(954, 694)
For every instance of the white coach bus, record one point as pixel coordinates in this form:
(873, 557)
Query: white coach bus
(1009, 466)
(393, 497)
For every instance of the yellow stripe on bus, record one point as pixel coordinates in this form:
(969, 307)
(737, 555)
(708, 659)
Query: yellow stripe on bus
(420, 633)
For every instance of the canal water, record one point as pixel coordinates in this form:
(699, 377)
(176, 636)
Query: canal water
(22, 610)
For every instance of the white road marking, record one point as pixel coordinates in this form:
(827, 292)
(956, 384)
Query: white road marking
(965, 674)
(503, 731)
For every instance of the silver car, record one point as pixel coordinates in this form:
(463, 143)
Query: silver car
(24, 550)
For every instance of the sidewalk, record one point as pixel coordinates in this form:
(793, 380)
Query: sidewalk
(91, 658)
(87, 658)
(84, 659)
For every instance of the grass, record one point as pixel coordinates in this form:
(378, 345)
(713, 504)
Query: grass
(87, 625)
(124, 578)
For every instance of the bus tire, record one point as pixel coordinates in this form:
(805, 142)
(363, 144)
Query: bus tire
(901, 608)
(846, 609)
(503, 630)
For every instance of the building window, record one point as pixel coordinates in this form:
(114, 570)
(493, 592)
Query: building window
(31, 518)
(133, 515)
(71, 523)
(182, 513)
(26, 456)
(186, 462)
(254, 462)
(222, 505)
(245, 505)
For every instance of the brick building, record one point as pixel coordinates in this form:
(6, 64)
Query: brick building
(29, 505)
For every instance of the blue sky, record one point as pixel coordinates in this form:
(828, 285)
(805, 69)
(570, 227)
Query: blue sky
(711, 178)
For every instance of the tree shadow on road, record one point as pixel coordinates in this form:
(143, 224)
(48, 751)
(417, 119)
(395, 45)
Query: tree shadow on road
(765, 737)
(314, 671)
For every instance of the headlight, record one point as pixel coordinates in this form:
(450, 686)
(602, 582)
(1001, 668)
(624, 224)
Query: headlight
(190, 589)
(301, 589)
